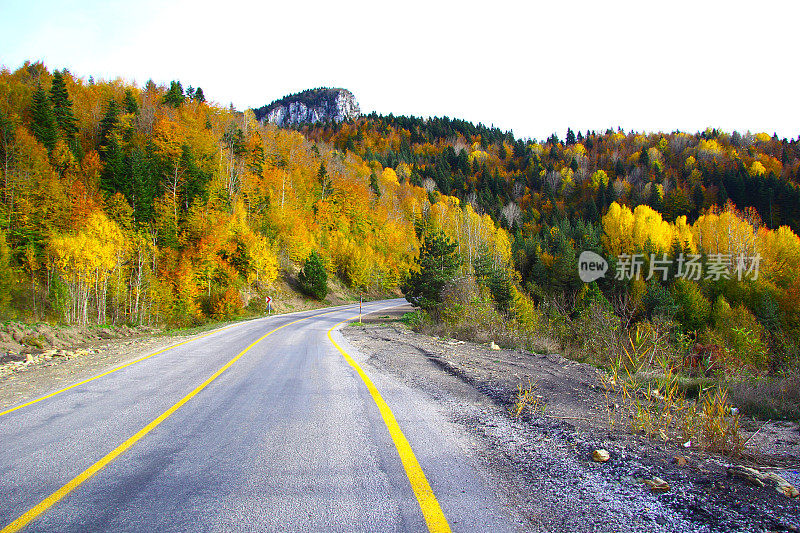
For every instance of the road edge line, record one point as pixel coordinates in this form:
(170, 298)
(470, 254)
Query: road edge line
(429, 505)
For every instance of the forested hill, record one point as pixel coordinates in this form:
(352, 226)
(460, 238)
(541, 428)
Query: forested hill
(129, 204)
(583, 173)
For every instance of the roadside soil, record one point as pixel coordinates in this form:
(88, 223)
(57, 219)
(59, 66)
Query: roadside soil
(542, 462)
(63, 356)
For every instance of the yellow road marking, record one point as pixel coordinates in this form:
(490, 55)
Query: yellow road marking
(48, 502)
(126, 365)
(434, 517)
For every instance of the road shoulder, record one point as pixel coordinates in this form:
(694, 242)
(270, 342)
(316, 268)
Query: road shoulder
(542, 464)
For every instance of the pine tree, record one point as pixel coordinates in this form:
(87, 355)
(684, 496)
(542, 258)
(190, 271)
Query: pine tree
(43, 123)
(500, 285)
(174, 96)
(142, 180)
(199, 96)
(644, 158)
(373, 183)
(313, 278)
(112, 178)
(436, 266)
(324, 179)
(62, 107)
(129, 103)
(573, 165)
(108, 123)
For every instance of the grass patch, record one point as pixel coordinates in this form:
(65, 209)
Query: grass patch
(414, 319)
(529, 400)
(34, 341)
(768, 398)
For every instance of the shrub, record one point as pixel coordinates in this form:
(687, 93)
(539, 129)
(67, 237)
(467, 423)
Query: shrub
(6, 273)
(694, 309)
(227, 304)
(710, 424)
(592, 337)
(414, 319)
(658, 301)
(313, 278)
(741, 333)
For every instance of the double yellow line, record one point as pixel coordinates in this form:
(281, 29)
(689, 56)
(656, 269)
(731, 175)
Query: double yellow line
(432, 512)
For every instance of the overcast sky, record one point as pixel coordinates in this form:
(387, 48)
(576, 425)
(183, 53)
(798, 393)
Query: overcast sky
(531, 67)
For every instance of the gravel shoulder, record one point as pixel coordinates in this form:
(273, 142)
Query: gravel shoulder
(31, 373)
(542, 463)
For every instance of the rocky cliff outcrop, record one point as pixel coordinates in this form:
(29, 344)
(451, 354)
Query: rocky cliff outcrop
(313, 105)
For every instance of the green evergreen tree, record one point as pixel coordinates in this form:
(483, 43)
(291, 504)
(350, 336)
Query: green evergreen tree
(324, 180)
(373, 183)
(143, 182)
(174, 96)
(698, 198)
(436, 266)
(62, 107)
(658, 300)
(644, 158)
(43, 121)
(129, 103)
(108, 123)
(112, 178)
(482, 266)
(573, 165)
(500, 285)
(199, 96)
(313, 278)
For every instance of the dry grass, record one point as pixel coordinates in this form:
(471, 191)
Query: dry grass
(768, 397)
(528, 400)
(711, 424)
(643, 390)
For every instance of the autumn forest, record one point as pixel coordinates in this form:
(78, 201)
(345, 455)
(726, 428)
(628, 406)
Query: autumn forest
(153, 205)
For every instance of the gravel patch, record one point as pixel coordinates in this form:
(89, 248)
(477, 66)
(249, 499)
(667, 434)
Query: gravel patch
(542, 464)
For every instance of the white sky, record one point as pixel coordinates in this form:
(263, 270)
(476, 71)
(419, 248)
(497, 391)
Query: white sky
(532, 67)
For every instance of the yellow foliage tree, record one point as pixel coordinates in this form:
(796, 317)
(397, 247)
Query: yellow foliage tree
(85, 259)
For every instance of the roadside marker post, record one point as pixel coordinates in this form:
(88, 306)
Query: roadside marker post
(269, 305)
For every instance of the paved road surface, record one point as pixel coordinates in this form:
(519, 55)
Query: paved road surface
(287, 438)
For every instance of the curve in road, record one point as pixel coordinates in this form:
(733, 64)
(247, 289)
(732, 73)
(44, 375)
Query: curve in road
(287, 438)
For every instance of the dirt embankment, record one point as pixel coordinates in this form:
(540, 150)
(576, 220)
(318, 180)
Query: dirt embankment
(37, 359)
(542, 463)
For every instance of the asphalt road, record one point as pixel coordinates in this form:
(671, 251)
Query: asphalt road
(287, 438)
